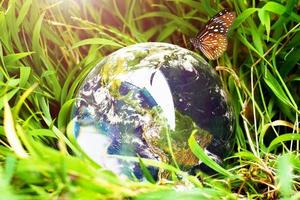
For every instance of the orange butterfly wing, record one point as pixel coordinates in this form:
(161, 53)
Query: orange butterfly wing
(213, 45)
(212, 41)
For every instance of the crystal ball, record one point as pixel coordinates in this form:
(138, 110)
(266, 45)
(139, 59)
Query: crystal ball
(144, 101)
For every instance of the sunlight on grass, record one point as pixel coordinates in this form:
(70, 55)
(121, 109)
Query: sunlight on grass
(48, 47)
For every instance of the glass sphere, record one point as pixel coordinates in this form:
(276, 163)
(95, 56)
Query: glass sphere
(144, 101)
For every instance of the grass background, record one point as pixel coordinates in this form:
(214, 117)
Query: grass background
(48, 46)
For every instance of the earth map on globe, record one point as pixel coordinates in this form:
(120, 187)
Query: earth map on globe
(142, 96)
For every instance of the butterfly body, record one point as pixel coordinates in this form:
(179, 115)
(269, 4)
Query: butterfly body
(212, 41)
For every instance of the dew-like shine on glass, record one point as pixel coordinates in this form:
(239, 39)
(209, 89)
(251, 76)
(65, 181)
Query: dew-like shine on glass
(134, 97)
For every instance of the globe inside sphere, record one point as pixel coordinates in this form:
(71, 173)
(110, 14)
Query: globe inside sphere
(144, 101)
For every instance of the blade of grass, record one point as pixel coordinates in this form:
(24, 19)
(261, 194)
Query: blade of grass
(201, 155)
(10, 132)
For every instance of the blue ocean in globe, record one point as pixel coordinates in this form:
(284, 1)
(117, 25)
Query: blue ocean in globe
(137, 96)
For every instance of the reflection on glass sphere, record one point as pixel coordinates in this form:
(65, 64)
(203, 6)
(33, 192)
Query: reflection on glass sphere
(137, 96)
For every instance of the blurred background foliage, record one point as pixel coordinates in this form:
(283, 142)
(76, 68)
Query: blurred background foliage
(48, 46)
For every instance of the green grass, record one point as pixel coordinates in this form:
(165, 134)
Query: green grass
(47, 47)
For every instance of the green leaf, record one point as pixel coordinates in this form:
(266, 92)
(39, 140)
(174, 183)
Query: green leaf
(24, 76)
(36, 39)
(247, 155)
(45, 108)
(280, 9)
(64, 114)
(80, 78)
(296, 79)
(244, 40)
(283, 138)
(284, 176)
(264, 17)
(8, 96)
(10, 166)
(201, 155)
(11, 59)
(51, 78)
(163, 14)
(191, 3)
(290, 62)
(193, 194)
(146, 172)
(99, 41)
(150, 33)
(242, 17)
(276, 88)
(166, 32)
(5, 36)
(257, 39)
(7, 192)
(39, 132)
(274, 7)
(23, 12)
(66, 86)
(11, 22)
(10, 132)
(13, 82)
(22, 99)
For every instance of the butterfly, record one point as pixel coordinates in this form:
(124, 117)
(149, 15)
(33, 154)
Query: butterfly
(212, 41)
